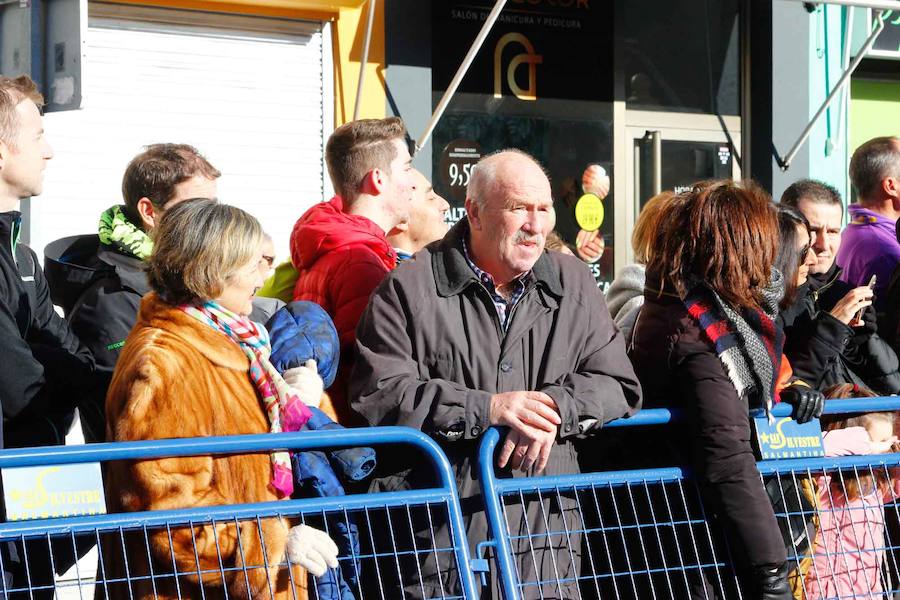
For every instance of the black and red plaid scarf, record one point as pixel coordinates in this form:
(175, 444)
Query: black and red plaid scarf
(749, 342)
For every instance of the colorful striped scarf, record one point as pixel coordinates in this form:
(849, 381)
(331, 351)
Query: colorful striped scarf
(749, 343)
(284, 408)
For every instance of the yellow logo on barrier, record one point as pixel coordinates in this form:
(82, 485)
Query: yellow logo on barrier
(528, 57)
(53, 491)
(779, 440)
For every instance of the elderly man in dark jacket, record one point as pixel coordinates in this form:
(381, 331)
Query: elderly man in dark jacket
(485, 328)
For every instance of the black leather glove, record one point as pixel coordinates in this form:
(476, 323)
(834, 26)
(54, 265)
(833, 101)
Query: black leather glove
(807, 402)
(771, 582)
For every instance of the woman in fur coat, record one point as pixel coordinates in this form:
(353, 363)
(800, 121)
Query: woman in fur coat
(195, 366)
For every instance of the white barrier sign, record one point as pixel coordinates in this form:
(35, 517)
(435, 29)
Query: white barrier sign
(52, 491)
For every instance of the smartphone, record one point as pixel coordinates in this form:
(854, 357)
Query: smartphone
(870, 285)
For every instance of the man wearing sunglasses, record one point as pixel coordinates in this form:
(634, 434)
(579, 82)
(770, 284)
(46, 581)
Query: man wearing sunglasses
(831, 331)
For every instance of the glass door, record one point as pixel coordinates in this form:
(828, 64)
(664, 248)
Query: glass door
(669, 151)
(666, 159)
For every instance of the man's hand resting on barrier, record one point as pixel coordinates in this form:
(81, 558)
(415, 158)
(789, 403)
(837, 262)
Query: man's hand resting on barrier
(533, 420)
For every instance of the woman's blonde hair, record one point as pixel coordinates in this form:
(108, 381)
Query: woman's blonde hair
(647, 227)
(198, 245)
(862, 483)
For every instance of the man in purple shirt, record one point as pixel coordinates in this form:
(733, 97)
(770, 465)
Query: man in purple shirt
(869, 245)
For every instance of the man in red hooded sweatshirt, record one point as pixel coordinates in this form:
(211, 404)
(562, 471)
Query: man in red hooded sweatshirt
(340, 247)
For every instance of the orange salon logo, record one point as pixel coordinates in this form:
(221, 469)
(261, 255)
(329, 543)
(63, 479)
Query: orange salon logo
(527, 58)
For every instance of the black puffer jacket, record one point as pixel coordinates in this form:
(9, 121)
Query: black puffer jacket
(678, 367)
(889, 320)
(824, 351)
(44, 365)
(99, 291)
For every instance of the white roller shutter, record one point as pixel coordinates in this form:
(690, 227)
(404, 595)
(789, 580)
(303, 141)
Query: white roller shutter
(252, 94)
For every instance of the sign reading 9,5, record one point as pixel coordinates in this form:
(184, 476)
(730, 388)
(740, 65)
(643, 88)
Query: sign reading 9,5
(456, 166)
(460, 176)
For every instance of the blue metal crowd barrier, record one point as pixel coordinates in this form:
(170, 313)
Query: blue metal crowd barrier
(645, 533)
(621, 534)
(383, 569)
(838, 515)
(638, 533)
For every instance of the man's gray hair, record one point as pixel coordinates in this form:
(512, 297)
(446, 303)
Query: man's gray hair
(483, 180)
(872, 162)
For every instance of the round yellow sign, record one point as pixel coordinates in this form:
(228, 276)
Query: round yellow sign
(589, 212)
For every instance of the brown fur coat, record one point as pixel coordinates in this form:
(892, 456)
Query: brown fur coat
(178, 377)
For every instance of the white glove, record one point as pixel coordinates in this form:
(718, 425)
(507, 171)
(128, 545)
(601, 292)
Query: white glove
(306, 383)
(312, 549)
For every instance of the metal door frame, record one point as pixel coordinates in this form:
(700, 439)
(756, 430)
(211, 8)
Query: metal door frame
(631, 125)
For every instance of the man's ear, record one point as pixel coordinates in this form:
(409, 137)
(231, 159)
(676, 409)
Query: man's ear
(891, 187)
(401, 227)
(4, 153)
(473, 212)
(147, 213)
(374, 183)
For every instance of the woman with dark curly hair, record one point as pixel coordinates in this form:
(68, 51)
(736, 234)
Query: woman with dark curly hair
(712, 298)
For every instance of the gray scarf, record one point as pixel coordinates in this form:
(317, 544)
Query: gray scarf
(749, 342)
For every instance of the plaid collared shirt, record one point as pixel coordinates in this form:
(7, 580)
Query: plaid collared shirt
(504, 307)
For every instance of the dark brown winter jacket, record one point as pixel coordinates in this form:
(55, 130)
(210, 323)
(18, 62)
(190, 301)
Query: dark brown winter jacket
(431, 352)
(678, 368)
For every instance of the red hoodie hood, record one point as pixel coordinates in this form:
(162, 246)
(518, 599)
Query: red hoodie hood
(326, 227)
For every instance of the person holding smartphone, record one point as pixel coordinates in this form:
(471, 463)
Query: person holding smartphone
(831, 327)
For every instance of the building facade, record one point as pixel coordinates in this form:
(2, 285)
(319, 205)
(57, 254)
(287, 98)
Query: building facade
(641, 95)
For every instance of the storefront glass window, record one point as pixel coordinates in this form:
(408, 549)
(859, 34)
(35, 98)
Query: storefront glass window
(682, 55)
(542, 83)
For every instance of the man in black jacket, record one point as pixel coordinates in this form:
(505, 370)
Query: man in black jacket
(42, 357)
(832, 330)
(44, 364)
(99, 279)
(484, 328)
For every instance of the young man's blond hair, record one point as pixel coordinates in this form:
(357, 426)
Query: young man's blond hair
(12, 91)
